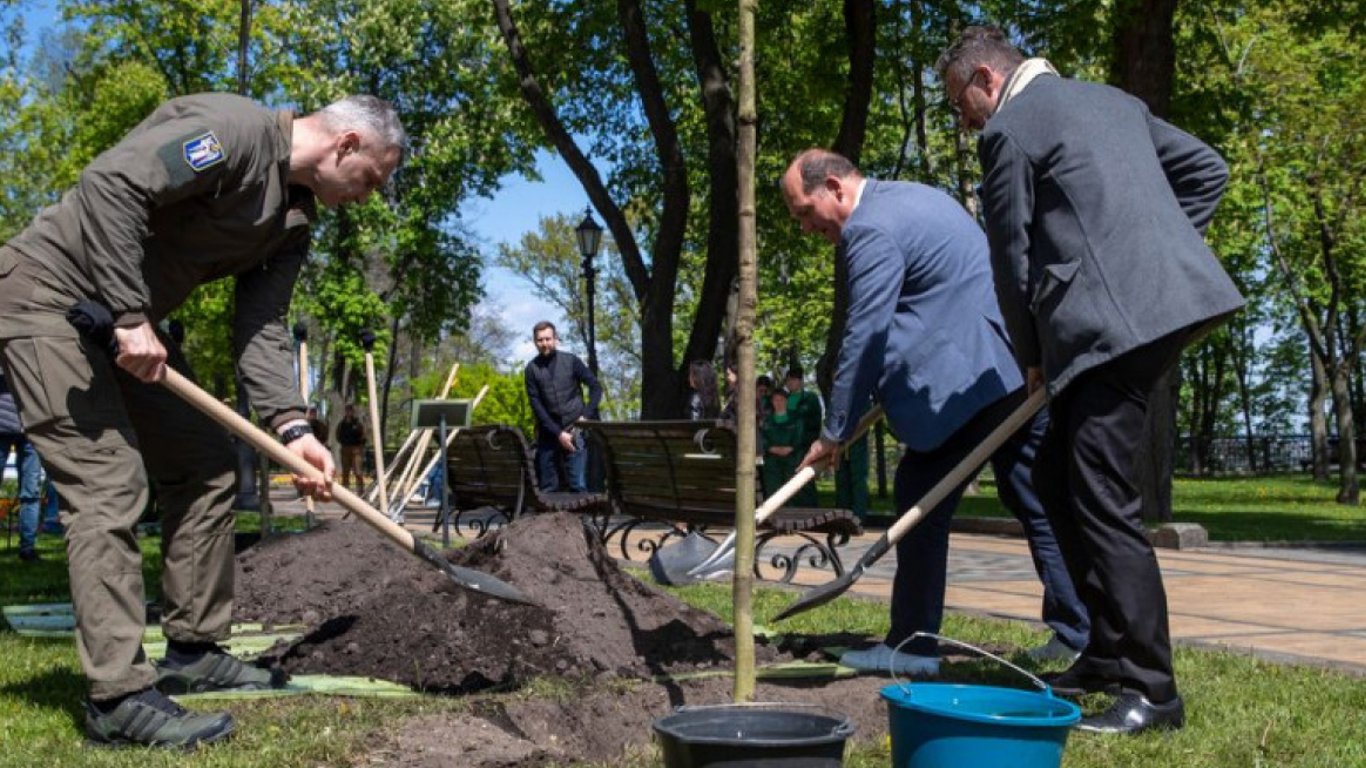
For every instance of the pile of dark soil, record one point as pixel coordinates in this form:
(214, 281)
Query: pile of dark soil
(373, 610)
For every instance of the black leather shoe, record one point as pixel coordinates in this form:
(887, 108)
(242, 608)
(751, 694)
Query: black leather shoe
(1132, 713)
(1076, 681)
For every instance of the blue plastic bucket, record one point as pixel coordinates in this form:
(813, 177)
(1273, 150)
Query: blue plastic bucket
(949, 725)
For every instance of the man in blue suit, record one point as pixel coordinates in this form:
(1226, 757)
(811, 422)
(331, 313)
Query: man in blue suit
(924, 335)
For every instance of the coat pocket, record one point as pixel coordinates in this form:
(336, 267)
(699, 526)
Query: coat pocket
(1053, 282)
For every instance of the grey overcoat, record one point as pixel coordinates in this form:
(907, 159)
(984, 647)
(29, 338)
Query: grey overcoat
(1095, 211)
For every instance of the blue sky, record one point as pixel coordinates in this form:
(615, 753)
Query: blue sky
(516, 209)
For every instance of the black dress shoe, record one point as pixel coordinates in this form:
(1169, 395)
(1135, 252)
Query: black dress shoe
(1076, 681)
(1132, 713)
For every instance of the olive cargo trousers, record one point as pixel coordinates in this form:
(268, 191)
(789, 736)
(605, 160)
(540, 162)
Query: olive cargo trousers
(100, 433)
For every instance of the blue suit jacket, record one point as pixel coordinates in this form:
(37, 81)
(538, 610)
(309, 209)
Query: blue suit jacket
(924, 334)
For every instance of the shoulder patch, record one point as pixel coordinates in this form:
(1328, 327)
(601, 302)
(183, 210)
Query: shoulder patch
(202, 151)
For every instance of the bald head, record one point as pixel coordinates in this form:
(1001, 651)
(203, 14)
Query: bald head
(820, 188)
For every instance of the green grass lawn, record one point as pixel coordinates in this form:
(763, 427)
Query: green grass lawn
(1242, 712)
(1290, 508)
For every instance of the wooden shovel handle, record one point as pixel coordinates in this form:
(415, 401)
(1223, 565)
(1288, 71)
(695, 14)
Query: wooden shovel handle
(968, 465)
(267, 444)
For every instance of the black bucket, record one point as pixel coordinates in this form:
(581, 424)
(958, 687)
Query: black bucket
(753, 735)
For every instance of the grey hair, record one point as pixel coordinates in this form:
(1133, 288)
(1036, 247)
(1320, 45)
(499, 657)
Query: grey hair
(978, 46)
(367, 114)
(815, 165)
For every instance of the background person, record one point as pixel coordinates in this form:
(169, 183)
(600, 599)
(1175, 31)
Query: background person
(350, 436)
(1095, 211)
(30, 472)
(318, 424)
(554, 386)
(804, 406)
(924, 334)
(782, 434)
(703, 402)
(206, 186)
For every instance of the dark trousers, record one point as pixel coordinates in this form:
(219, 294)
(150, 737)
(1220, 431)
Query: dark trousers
(1085, 475)
(922, 555)
(551, 460)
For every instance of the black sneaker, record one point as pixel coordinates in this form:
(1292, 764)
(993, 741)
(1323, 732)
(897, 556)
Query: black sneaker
(28, 554)
(149, 719)
(215, 670)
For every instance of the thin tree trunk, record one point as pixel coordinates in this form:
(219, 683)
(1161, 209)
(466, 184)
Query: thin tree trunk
(1349, 490)
(743, 580)
(1318, 421)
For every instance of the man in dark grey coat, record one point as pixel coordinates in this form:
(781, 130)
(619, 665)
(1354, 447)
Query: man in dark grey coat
(1095, 211)
(206, 187)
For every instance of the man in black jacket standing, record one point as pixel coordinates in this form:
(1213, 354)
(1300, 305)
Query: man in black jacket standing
(1095, 211)
(554, 385)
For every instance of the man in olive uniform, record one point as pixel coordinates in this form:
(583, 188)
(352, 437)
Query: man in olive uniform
(206, 187)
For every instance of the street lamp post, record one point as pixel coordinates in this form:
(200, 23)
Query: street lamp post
(589, 235)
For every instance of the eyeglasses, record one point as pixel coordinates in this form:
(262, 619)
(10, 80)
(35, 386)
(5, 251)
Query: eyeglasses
(956, 102)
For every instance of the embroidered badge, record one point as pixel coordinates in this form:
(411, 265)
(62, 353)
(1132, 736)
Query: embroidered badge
(203, 151)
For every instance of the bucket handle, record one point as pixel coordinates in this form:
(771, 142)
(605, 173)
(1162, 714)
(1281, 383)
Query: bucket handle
(891, 665)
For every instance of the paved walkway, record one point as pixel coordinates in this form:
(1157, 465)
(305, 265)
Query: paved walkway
(1301, 605)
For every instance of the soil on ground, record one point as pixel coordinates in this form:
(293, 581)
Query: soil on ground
(370, 609)
(599, 726)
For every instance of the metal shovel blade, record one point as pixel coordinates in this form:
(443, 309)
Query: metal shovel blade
(726, 547)
(674, 564)
(814, 598)
(470, 579)
(832, 589)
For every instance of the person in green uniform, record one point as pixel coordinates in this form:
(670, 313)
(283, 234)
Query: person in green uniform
(782, 434)
(207, 187)
(806, 409)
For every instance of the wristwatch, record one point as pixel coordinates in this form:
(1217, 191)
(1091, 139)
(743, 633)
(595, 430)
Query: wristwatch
(294, 433)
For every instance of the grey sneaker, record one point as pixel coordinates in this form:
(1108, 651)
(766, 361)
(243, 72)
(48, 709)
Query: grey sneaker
(1053, 650)
(882, 659)
(216, 670)
(150, 719)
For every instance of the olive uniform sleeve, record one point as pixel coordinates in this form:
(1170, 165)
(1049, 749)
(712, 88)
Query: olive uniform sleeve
(154, 166)
(263, 345)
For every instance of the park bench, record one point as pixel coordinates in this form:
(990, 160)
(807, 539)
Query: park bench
(492, 466)
(682, 474)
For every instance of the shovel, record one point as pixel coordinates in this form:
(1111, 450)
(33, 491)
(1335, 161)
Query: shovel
(941, 490)
(94, 321)
(777, 500)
